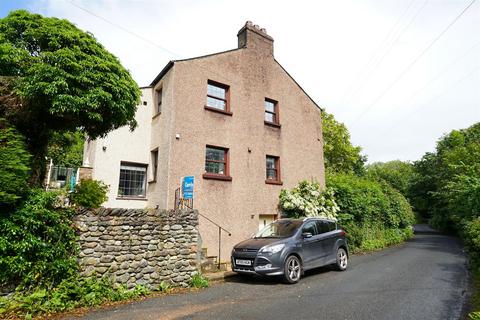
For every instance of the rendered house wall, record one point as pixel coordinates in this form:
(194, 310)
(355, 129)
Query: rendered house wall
(252, 74)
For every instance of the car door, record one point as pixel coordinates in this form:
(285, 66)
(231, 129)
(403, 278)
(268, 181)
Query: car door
(310, 245)
(327, 237)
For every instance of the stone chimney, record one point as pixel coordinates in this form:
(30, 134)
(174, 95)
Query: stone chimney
(253, 37)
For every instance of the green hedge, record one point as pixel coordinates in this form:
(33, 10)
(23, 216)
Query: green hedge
(373, 213)
(14, 166)
(37, 242)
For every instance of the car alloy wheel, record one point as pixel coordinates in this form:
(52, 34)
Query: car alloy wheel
(293, 269)
(342, 259)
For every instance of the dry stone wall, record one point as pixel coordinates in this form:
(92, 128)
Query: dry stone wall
(135, 246)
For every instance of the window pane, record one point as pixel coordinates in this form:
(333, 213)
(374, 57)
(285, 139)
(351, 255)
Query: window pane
(269, 106)
(215, 91)
(310, 227)
(215, 103)
(215, 167)
(272, 174)
(215, 154)
(132, 180)
(270, 163)
(269, 117)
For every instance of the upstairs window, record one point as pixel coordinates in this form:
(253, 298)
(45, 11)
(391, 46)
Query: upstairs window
(217, 97)
(132, 180)
(271, 112)
(159, 101)
(273, 170)
(217, 163)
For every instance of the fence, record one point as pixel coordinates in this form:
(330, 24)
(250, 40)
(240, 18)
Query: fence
(59, 177)
(182, 203)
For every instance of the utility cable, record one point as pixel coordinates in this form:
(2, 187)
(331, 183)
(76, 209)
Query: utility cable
(178, 56)
(377, 62)
(410, 66)
(450, 87)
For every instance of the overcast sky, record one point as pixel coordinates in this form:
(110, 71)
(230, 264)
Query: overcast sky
(398, 73)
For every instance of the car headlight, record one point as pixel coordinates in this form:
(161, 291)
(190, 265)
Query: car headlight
(273, 249)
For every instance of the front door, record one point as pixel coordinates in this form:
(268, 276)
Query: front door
(265, 219)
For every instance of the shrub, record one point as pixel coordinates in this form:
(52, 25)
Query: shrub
(368, 202)
(164, 286)
(373, 213)
(71, 293)
(89, 193)
(199, 281)
(14, 166)
(470, 232)
(308, 200)
(37, 243)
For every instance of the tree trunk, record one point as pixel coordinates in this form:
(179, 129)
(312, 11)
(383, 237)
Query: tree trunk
(38, 148)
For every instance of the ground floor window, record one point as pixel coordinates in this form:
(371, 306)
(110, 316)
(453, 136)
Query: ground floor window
(132, 180)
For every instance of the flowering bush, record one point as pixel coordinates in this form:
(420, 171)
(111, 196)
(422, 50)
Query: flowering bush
(309, 200)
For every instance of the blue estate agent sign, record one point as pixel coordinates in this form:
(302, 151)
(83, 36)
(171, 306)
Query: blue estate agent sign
(187, 187)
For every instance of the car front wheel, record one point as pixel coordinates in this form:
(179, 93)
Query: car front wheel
(292, 269)
(342, 259)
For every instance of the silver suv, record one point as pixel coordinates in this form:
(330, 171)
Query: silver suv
(288, 247)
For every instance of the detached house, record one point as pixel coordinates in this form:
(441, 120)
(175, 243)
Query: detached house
(235, 120)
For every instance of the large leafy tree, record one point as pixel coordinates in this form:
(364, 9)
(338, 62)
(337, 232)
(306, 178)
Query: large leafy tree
(339, 153)
(396, 173)
(66, 149)
(58, 79)
(446, 183)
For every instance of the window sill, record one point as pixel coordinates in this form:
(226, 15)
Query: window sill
(156, 115)
(213, 176)
(132, 198)
(227, 113)
(272, 124)
(278, 183)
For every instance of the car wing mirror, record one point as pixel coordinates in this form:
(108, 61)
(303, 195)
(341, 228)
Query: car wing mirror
(307, 234)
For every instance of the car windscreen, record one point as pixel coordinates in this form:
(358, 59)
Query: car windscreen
(279, 229)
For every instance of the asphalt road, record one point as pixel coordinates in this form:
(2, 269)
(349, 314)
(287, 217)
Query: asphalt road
(426, 278)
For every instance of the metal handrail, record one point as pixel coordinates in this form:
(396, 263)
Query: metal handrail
(229, 233)
(220, 228)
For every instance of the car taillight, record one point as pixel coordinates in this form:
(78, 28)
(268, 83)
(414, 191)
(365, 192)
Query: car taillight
(343, 233)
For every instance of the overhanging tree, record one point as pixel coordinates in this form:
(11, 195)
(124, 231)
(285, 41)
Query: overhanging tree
(339, 153)
(59, 79)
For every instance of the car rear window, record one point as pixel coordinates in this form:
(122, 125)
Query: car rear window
(326, 226)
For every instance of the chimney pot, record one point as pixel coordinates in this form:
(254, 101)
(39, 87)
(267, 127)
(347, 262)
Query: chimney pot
(255, 38)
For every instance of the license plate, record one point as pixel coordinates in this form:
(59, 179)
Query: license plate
(243, 262)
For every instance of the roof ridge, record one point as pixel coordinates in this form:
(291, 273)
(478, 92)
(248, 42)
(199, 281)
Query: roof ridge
(172, 62)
